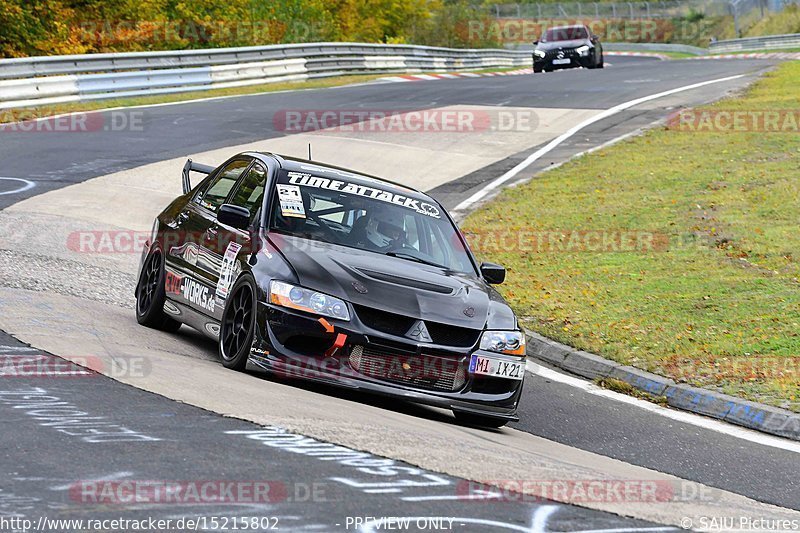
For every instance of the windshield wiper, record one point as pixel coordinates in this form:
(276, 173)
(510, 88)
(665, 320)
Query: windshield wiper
(402, 255)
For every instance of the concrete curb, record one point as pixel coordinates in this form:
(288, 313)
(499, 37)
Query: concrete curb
(751, 415)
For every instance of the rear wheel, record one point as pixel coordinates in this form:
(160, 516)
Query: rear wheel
(238, 324)
(150, 295)
(470, 419)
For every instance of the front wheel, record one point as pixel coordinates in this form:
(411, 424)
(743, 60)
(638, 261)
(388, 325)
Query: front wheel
(470, 419)
(238, 324)
(150, 295)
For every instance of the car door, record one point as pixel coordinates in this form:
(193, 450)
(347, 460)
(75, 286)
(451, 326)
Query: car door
(248, 193)
(193, 263)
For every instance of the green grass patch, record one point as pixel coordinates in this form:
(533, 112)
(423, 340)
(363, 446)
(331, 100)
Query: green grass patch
(718, 288)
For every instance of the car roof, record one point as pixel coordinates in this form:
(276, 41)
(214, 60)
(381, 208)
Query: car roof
(568, 27)
(337, 173)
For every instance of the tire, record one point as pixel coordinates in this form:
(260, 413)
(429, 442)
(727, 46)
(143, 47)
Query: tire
(151, 295)
(537, 70)
(470, 419)
(602, 61)
(238, 324)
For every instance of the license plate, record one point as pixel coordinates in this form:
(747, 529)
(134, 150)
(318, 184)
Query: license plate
(481, 365)
(564, 61)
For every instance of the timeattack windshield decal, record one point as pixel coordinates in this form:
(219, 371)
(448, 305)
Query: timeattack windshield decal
(307, 180)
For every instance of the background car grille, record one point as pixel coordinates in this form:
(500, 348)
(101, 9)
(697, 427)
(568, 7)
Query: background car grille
(399, 325)
(425, 372)
(568, 53)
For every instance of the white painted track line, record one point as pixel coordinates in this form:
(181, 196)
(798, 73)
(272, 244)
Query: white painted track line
(679, 416)
(488, 188)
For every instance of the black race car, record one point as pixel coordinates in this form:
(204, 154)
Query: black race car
(567, 47)
(313, 271)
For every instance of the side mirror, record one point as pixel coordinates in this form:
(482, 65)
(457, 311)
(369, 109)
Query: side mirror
(595, 38)
(494, 274)
(234, 216)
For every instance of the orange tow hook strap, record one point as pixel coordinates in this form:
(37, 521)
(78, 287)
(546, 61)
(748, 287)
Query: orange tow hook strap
(338, 344)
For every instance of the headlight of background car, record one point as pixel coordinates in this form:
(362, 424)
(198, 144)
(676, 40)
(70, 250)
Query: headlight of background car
(583, 50)
(539, 53)
(507, 342)
(295, 297)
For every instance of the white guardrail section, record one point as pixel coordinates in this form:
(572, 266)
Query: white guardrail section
(767, 42)
(56, 79)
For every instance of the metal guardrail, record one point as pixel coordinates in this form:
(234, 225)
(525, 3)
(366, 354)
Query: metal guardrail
(654, 47)
(34, 81)
(767, 42)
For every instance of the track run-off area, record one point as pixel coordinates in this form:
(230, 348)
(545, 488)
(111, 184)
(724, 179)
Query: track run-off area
(74, 203)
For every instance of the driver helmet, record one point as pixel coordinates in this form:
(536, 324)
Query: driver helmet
(386, 228)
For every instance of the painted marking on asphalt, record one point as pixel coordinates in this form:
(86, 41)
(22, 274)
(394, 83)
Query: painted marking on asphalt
(488, 188)
(475, 495)
(111, 477)
(541, 516)
(26, 185)
(16, 349)
(50, 411)
(679, 416)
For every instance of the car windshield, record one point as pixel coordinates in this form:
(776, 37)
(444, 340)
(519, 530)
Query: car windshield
(368, 216)
(566, 33)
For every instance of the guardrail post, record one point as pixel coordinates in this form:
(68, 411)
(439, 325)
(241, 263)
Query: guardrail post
(596, 10)
(614, 9)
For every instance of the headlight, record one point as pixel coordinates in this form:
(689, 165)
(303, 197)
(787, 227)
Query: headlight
(295, 297)
(507, 342)
(583, 50)
(539, 53)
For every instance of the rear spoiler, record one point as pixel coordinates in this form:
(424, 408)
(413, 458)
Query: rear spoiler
(196, 167)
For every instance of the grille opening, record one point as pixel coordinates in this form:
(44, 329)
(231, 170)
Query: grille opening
(308, 345)
(444, 374)
(490, 385)
(398, 325)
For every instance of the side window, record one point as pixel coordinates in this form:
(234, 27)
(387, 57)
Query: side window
(216, 192)
(250, 191)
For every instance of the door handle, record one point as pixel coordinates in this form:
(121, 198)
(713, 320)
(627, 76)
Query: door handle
(211, 233)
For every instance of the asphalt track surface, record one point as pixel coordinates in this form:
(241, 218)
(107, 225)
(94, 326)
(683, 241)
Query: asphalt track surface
(193, 444)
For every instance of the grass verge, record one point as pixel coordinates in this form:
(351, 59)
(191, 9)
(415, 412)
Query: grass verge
(676, 251)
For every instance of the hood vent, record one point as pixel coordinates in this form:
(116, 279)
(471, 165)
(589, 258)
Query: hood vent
(407, 282)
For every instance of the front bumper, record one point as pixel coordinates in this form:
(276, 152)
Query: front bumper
(296, 345)
(575, 61)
